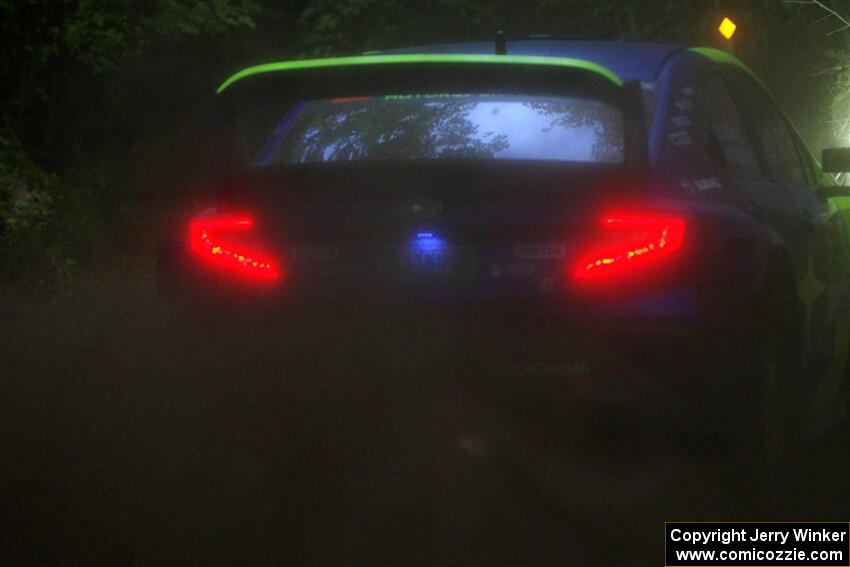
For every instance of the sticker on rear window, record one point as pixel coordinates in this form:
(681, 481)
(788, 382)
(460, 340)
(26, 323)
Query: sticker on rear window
(680, 138)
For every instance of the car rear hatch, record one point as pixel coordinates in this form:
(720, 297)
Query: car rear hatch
(473, 178)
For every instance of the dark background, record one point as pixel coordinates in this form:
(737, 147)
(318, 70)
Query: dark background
(133, 435)
(105, 104)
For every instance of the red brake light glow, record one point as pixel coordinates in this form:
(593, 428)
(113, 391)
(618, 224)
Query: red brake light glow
(631, 241)
(219, 241)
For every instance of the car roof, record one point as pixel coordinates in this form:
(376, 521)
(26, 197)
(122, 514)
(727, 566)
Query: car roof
(629, 60)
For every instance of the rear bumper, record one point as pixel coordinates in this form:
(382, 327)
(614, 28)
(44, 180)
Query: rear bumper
(653, 372)
(650, 359)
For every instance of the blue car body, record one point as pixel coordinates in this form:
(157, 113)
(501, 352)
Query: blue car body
(493, 244)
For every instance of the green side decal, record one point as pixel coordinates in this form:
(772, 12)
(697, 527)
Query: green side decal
(810, 287)
(366, 60)
(720, 56)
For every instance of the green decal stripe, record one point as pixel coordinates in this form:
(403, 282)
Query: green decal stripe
(366, 60)
(721, 56)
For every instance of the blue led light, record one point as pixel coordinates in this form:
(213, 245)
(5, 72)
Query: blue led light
(427, 248)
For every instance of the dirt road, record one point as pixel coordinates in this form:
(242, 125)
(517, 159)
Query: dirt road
(131, 434)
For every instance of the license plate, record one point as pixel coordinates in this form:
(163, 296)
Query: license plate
(456, 262)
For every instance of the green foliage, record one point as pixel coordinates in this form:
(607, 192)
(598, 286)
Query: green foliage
(90, 35)
(58, 60)
(26, 203)
(216, 17)
(99, 33)
(28, 218)
(334, 26)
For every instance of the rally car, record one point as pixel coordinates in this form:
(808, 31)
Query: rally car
(638, 223)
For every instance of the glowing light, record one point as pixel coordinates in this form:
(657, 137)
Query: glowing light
(207, 235)
(727, 28)
(637, 240)
(421, 59)
(427, 248)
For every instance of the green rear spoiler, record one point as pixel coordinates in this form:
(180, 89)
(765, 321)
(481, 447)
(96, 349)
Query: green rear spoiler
(408, 61)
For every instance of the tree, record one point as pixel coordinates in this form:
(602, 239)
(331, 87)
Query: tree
(829, 32)
(66, 67)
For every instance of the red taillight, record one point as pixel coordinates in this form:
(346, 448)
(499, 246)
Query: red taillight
(224, 242)
(629, 242)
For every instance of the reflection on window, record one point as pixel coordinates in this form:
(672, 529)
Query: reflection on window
(770, 131)
(726, 124)
(423, 127)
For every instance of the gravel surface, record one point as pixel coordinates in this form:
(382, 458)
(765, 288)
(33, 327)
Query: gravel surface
(133, 434)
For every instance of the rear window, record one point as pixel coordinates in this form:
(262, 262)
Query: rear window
(431, 127)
